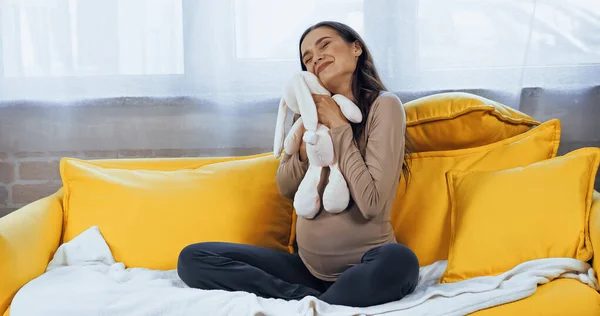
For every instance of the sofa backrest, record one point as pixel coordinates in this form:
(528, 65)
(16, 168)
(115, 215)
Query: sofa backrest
(448, 130)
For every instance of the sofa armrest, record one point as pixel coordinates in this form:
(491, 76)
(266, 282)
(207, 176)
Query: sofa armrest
(28, 239)
(595, 232)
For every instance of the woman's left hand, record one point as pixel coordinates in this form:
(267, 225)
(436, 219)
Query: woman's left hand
(329, 112)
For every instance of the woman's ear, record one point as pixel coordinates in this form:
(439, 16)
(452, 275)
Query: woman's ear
(356, 49)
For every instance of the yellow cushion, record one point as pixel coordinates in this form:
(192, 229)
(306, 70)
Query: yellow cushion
(558, 298)
(503, 218)
(457, 120)
(148, 216)
(421, 213)
(167, 164)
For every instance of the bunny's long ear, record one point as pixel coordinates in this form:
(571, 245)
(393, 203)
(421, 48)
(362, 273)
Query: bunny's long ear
(313, 83)
(293, 140)
(308, 108)
(280, 129)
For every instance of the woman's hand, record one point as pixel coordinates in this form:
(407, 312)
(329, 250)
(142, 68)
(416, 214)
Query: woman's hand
(329, 112)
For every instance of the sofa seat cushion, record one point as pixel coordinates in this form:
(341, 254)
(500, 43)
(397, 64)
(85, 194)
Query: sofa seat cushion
(557, 298)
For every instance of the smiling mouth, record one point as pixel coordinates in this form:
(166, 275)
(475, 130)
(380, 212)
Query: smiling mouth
(323, 66)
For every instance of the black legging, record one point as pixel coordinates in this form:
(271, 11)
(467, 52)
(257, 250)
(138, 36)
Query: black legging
(385, 274)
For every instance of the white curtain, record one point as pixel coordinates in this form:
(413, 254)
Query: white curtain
(244, 50)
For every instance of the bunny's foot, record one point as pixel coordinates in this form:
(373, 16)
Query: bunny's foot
(307, 201)
(336, 195)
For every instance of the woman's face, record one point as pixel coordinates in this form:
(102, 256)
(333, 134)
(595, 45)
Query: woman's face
(329, 57)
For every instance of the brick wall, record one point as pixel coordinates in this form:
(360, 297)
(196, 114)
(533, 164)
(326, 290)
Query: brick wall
(28, 176)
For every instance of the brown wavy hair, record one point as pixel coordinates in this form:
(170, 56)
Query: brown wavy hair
(366, 83)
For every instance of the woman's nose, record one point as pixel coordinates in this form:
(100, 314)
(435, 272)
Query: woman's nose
(317, 59)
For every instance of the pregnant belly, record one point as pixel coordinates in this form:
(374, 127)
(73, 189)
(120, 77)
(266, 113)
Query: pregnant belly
(331, 243)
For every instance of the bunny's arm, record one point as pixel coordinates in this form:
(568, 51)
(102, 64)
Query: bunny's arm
(349, 109)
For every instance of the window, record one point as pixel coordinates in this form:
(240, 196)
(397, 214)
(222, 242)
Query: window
(270, 29)
(472, 34)
(57, 38)
(246, 50)
(507, 33)
(565, 33)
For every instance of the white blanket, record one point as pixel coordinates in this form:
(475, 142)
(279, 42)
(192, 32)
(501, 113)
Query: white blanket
(84, 279)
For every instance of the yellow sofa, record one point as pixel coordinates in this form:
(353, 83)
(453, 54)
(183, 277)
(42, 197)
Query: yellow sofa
(30, 236)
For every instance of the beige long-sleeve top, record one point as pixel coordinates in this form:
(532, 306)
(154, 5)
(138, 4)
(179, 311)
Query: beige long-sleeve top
(331, 243)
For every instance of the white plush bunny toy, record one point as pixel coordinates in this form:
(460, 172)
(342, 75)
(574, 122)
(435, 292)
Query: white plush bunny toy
(319, 146)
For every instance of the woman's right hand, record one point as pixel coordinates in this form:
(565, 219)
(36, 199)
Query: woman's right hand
(302, 151)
